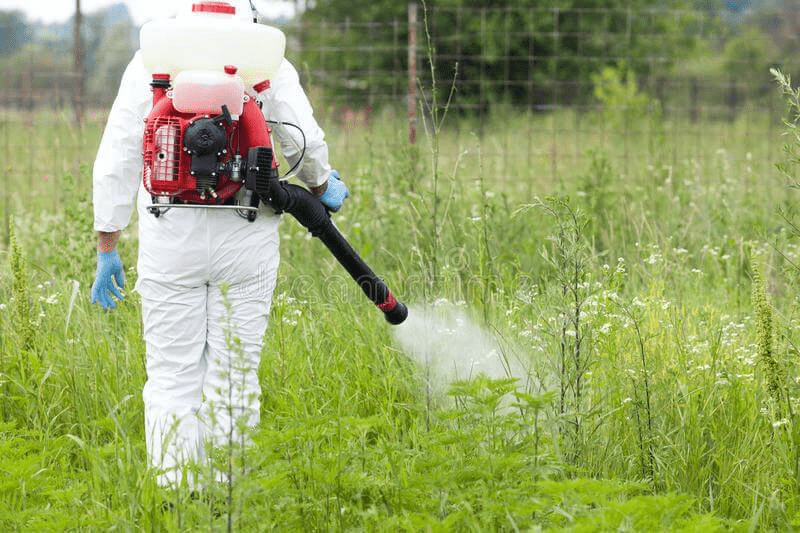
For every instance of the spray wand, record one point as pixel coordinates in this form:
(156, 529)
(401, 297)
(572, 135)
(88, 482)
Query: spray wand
(262, 177)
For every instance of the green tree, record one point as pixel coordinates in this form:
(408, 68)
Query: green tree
(356, 10)
(14, 32)
(357, 49)
(110, 57)
(751, 53)
(34, 58)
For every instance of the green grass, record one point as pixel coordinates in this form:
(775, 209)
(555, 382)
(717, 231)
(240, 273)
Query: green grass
(618, 268)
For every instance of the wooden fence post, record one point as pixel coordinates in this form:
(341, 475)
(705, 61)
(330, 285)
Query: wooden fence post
(79, 56)
(412, 73)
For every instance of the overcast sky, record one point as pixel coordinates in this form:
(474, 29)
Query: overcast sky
(48, 11)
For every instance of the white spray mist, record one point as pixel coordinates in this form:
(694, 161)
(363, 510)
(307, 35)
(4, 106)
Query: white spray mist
(449, 346)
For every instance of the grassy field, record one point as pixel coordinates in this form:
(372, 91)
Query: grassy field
(640, 289)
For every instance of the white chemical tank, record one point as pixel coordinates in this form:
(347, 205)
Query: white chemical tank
(210, 37)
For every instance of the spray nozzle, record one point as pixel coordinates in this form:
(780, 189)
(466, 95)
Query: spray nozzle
(394, 311)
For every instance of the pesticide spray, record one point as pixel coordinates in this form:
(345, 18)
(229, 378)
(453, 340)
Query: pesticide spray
(449, 346)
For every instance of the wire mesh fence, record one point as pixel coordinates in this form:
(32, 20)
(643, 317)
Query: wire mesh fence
(606, 78)
(573, 78)
(539, 58)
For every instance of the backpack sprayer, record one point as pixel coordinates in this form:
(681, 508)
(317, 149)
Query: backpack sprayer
(206, 143)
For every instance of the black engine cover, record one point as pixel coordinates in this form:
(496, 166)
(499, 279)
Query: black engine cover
(205, 140)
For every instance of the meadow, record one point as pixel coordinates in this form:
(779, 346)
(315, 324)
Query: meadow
(640, 272)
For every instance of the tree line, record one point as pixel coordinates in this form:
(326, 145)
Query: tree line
(514, 52)
(36, 60)
(541, 54)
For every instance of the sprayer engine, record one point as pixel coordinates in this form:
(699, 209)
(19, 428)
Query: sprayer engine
(194, 142)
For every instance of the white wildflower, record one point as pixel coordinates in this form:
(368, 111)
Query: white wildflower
(779, 423)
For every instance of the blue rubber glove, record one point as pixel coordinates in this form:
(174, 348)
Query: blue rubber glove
(335, 193)
(109, 266)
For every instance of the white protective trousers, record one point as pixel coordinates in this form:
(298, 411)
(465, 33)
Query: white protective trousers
(206, 280)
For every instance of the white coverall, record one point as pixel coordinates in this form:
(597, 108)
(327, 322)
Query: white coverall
(199, 390)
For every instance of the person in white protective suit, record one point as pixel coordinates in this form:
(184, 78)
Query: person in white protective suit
(191, 263)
